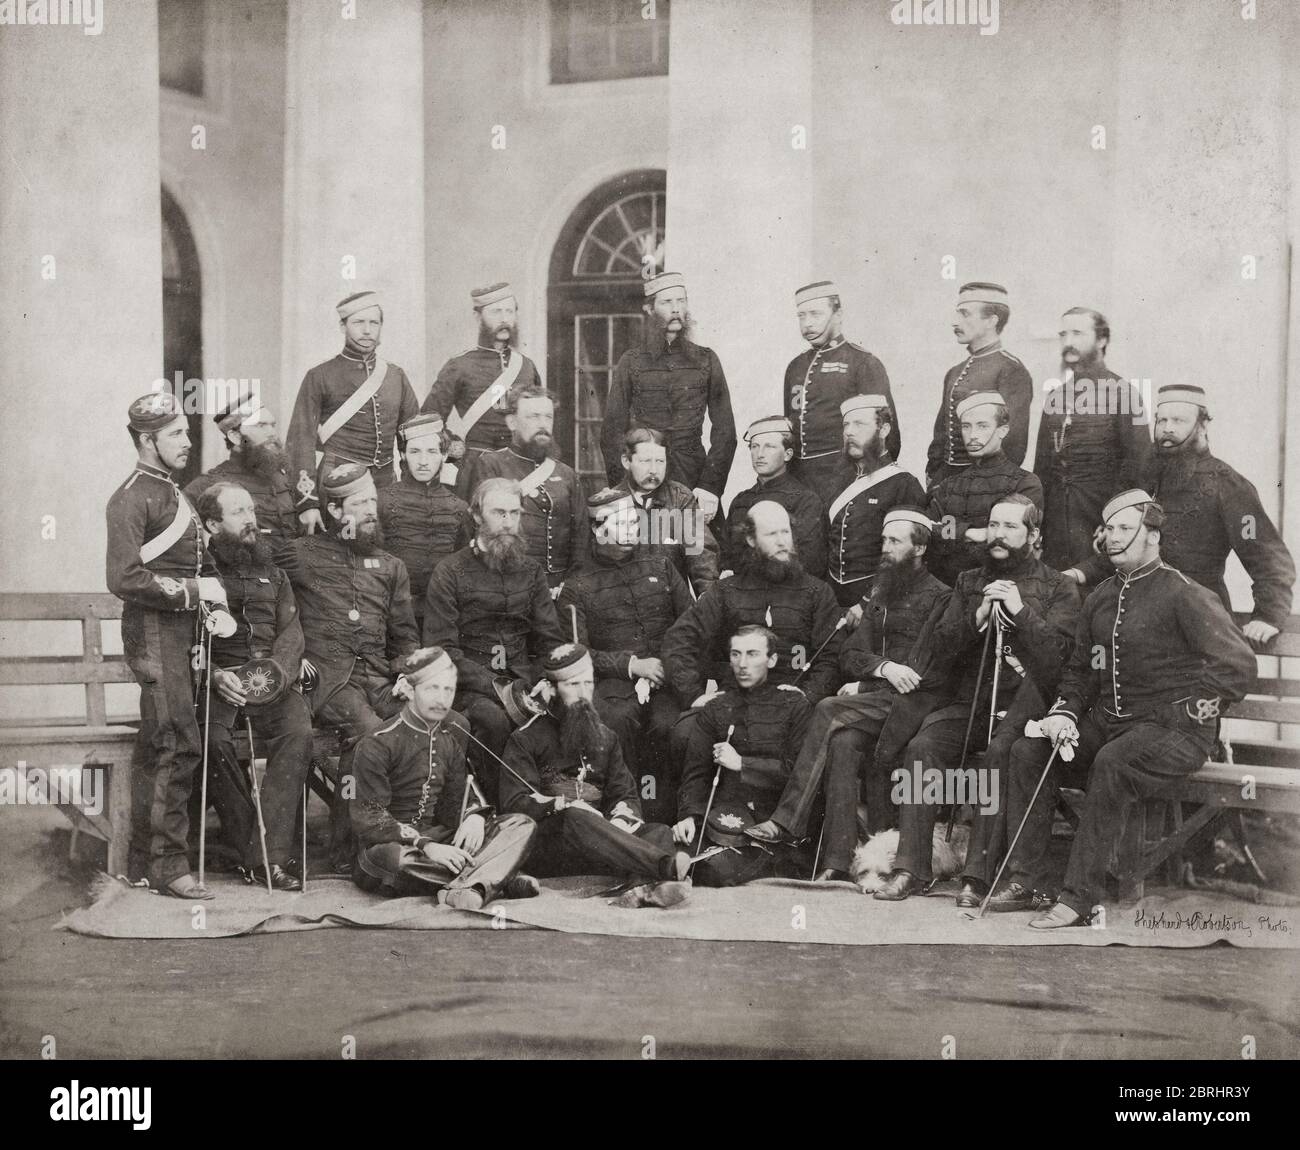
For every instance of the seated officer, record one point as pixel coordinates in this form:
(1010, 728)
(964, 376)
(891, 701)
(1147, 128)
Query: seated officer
(749, 738)
(565, 769)
(420, 826)
(881, 662)
(621, 604)
(1141, 723)
(262, 603)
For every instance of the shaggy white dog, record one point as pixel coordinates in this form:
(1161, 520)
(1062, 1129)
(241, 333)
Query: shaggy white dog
(874, 859)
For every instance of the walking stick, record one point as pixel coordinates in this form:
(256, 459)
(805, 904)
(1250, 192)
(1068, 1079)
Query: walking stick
(1007, 857)
(306, 794)
(532, 790)
(970, 722)
(257, 802)
(717, 774)
(817, 855)
(839, 626)
(207, 723)
(996, 621)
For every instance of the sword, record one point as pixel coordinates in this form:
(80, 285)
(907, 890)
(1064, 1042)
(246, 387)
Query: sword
(717, 774)
(257, 802)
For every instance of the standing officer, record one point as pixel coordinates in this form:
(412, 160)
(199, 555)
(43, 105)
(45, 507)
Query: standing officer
(420, 827)
(553, 522)
(266, 613)
(350, 405)
(871, 485)
(422, 520)
(477, 384)
(669, 383)
(357, 623)
(960, 504)
(258, 464)
(819, 380)
(982, 312)
(1141, 716)
(1093, 439)
(157, 566)
(770, 443)
(1211, 510)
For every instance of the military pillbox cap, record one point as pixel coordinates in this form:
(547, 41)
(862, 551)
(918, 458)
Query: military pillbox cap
(663, 281)
(359, 301)
(983, 293)
(421, 426)
(1133, 497)
(979, 399)
(907, 515)
(154, 411)
(345, 479)
(861, 402)
(822, 289)
(493, 293)
(567, 662)
(1181, 393)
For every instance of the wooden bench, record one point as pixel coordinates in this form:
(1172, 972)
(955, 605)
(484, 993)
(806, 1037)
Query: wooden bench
(94, 739)
(90, 740)
(1264, 774)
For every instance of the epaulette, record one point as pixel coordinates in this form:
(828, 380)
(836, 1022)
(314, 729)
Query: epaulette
(392, 724)
(1165, 567)
(857, 347)
(1012, 358)
(134, 476)
(531, 721)
(791, 687)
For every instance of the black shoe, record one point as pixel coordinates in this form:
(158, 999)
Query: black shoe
(521, 886)
(281, 879)
(341, 865)
(972, 893)
(832, 874)
(1015, 898)
(902, 884)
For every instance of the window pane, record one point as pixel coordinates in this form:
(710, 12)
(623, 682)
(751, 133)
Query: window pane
(607, 40)
(180, 45)
(593, 341)
(590, 459)
(592, 387)
(627, 332)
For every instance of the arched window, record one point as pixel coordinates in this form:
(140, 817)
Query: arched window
(182, 320)
(613, 241)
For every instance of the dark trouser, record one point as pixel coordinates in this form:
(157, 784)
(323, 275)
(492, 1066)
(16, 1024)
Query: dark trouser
(489, 723)
(1130, 761)
(397, 869)
(937, 746)
(574, 841)
(839, 742)
(169, 747)
(849, 594)
(281, 735)
(358, 707)
(825, 475)
(643, 733)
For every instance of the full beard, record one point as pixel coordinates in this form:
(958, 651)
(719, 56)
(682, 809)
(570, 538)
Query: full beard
(535, 449)
(874, 457)
(894, 580)
(503, 552)
(232, 551)
(366, 540)
(582, 732)
(995, 566)
(771, 570)
(265, 459)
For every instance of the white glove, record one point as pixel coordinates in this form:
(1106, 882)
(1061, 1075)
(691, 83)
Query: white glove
(211, 590)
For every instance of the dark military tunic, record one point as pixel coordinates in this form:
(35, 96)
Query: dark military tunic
(423, 523)
(159, 625)
(853, 540)
(990, 369)
(674, 526)
(802, 612)
(963, 501)
(275, 500)
(355, 611)
(889, 633)
(816, 382)
(410, 782)
(807, 521)
(266, 616)
(536, 752)
(1211, 510)
(770, 722)
(554, 520)
(1086, 456)
(670, 387)
(490, 622)
(464, 378)
(367, 438)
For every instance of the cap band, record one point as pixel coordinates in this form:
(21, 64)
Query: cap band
(979, 399)
(359, 302)
(822, 289)
(1134, 497)
(663, 281)
(493, 293)
(862, 402)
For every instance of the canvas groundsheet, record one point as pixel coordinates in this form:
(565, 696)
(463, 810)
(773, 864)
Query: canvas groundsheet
(772, 910)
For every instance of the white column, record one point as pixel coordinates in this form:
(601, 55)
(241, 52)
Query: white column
(354, 180)
(81, 280)
(740, 187)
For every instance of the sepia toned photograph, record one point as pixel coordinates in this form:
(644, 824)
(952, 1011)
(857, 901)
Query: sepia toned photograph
(651, 530)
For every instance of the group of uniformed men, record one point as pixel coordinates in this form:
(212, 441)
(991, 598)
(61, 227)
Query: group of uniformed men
(629, 681)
